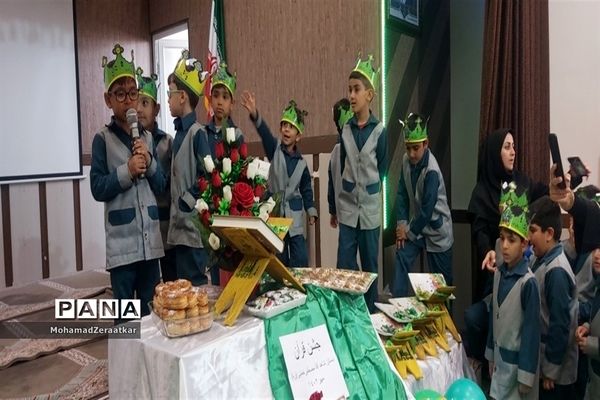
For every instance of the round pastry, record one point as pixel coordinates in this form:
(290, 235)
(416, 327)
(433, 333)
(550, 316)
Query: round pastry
(182, 284)
(192, 312)
(169, 315)
(178, 328)
(195, 325)
(202, 296)
(203, 310)
(159, 288)
(205, 323)
(157, 301)
(176, 300)
(192, 299)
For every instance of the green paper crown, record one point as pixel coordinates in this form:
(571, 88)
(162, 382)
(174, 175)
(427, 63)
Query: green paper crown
(147, 84)
(117, 68)
(189, 71)
(294, 116)
(414, 128)
(345, 115)
(365, 68)
(223, 77)
(515, 210)
(589, 192)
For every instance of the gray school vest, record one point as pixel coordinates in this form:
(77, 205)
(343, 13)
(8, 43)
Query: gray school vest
(131, 218)
(586, 286)
(182, 230)
(336, 174)
(293, 205)
(438, 231)
(164, 152)
(568, 368)
(508, 319)
(360, 197)
(593, 386)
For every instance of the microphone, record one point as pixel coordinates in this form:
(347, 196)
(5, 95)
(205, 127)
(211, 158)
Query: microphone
(132, 120)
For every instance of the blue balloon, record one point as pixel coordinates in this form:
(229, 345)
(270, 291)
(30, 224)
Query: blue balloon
(464, 389)
(428, 394)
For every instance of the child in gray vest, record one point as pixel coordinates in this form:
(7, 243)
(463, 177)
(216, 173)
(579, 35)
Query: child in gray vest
(288, 174)
(341, 115)
(190, 146)
(514, 326)
(424, 220)
(125, 176)
(559, 305)
(363, 164)
(148, 110)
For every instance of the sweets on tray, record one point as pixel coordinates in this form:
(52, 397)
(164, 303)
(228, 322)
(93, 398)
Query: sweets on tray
(180, 309)
(275, 302)
(343, 280)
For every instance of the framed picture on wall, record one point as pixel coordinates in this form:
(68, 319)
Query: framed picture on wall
(405, 12)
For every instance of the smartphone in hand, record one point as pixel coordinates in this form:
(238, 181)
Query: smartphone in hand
(555, 152)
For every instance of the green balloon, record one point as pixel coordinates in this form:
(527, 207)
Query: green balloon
(428, 394)
(464, 389)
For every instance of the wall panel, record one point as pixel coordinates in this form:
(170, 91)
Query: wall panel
(92, 227)
(61, 228)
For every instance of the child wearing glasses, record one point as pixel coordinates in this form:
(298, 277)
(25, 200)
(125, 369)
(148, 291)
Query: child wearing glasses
(190, 146)
(125, 178)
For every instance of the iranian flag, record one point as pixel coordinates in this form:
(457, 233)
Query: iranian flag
(216, 49)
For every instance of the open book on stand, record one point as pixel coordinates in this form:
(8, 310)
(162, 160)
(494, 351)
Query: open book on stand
(251, 235)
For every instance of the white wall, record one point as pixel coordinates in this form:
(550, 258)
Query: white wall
(574, 81)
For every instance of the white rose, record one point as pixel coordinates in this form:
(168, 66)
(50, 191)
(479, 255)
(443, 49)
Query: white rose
(227, 165)
(227, 193)
(201, 205)
(214, 241)
(230, 135)
(263, 215)
(270, 204)
(264, 208)
(252, 168)
(209, 164)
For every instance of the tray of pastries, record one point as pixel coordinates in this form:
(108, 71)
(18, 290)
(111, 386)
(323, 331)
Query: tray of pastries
(179, 309)
(275, 302)
(342, 280)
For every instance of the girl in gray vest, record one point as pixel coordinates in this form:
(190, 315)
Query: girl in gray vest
(514, 325)
(125, 177)
(559, 305)
(288, 174)
(424, 219)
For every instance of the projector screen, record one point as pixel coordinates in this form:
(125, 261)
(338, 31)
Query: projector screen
(39, 115)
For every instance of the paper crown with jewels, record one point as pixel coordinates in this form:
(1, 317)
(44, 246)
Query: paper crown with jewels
(514, 210)
(117, 68)
(294, 116)
(365, 68)
(414, 128)
(189, 71)
(147, 84)
(223, 77)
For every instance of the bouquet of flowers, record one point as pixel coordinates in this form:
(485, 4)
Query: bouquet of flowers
(233, 184)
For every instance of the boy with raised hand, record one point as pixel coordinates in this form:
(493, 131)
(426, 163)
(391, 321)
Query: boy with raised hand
(559, 305)
(514, 327)
(363, 164)
(190, 146)
(288, 173)
(125, 176)
(341, 115)
(147, 111)
(424, 220)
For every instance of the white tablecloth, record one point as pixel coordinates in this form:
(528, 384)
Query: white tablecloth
(222, 363)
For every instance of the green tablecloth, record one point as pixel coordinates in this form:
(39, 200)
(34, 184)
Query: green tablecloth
(363, 362)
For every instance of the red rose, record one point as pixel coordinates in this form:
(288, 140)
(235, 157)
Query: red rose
(245, 213)
(216, 200)
(202, 184)
(316, 396)
(243, 194)
(205, 218)
(216, 179)
(234, 155)
(234, 209)
(259, 191)
(244, 150)
(219, 150)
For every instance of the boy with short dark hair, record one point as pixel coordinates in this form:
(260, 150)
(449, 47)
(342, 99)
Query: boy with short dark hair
(341, 115)
(363, 164)
(288, 173)
(514, 326)
(424, 220)
(190, 146)
(125, 176)
(559, 306)
(148, 110)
